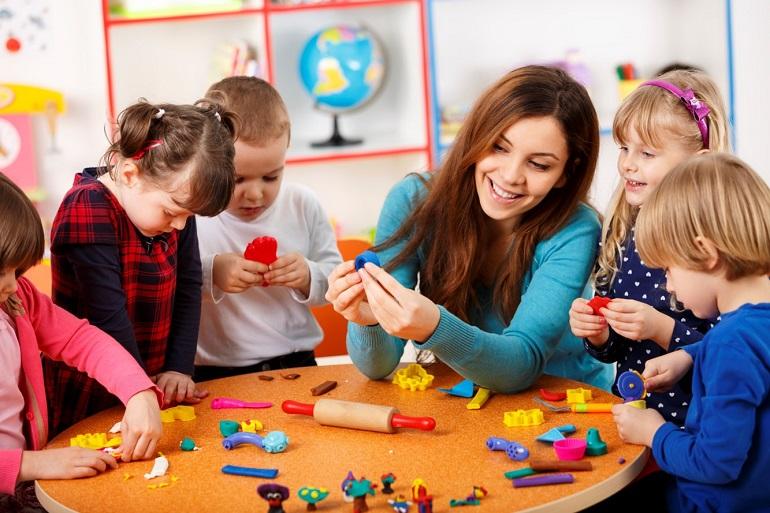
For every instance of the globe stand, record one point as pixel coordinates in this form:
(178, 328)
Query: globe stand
(336, 138)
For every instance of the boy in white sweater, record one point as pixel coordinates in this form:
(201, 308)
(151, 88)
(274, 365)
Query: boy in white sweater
(256, 316)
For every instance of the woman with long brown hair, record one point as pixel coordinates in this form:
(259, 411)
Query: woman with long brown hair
(500, 240)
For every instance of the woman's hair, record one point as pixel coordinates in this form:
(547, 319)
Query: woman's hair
(715, 196)
(450, 227)
(163, 139)
(657, 115)
(260, 109)
(22, 241)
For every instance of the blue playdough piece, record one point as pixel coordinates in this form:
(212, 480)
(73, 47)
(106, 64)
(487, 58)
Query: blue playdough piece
(250, 471)
(367, 256)
(630, 386)
(567, 429)
(462, 389)
(551, 436)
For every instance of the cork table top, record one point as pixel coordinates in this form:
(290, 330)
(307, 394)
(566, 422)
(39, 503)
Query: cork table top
(451, 459)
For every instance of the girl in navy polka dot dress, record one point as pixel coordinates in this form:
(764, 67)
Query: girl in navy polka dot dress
(659, 125)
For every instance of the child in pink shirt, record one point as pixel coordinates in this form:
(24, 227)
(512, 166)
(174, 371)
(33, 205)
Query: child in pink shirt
(30, 324)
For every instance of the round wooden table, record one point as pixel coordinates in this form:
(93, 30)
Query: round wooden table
(451, 459)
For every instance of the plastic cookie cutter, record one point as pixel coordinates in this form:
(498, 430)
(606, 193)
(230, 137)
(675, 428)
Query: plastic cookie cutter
(220, 403)
(413, 377)
(521, 418)
(514, 450)
(632, 388)
(577, 407)
(579, 395)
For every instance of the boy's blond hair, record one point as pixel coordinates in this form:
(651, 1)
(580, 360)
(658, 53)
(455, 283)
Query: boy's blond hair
(656, 115)
(715, 196)
(262, 112)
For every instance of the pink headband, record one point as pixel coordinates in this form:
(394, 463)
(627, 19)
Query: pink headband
(697, 108)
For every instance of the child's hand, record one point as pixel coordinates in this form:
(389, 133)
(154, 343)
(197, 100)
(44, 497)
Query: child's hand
(401, 312)
(663, 372)
(65, 463)
(233, 273)
(585, 324)
(637, 426)
(639, 321)
(140, 428)
(290, 270)
(178, 388)
(346, 294)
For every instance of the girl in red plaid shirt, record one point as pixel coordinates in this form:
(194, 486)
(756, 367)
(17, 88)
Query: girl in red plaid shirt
(125, 251)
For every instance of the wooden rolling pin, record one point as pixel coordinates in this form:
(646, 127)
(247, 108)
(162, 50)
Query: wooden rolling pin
(369, 417)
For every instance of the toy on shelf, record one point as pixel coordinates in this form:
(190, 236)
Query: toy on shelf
(348, 414)
(341, 67)
(275, 495)
(413, 377)
(312, 495)
(18, 103)
(628, 79)
(145, 9)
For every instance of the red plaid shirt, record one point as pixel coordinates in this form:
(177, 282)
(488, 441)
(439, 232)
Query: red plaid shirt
(143, 291)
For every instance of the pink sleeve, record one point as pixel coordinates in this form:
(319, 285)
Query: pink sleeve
(10, 466)
(62, 336)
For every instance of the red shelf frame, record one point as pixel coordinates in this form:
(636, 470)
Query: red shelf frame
(110, 21)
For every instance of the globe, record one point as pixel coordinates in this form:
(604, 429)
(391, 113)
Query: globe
(341, 67)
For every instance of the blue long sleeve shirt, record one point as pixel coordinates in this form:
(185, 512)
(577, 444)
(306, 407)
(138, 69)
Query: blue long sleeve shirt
(634, 280)
(504, 357)
(721, 458)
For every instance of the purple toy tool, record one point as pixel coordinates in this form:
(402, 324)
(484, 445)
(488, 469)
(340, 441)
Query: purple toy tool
(220, 403)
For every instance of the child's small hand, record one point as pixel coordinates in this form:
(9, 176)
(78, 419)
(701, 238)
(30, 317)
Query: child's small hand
(665, 371)
(140, 428)
(64, 463)
(637, 426)
(346, 294)
(639, 321)
(232, 273)
(178, 388)
(585, 324)
(290, 270)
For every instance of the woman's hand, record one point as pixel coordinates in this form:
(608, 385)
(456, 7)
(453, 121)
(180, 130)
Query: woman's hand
(232, 273)
(346, 294)
(178, 388)
(665, 371)
(401, 312)
(637, 426)
(639, 321)
(585, 324)
(140, 428)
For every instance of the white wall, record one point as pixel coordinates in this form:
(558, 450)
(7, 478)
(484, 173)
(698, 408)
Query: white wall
(500, 33)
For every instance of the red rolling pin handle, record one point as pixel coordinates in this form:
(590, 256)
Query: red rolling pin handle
(296, 407)
(404, 421)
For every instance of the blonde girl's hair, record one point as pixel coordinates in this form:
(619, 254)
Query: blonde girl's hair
(22, 241)
(163, 139)
(657, 115)
(715, 196)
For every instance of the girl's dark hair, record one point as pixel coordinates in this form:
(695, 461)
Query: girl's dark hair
(449, 223)
(200, 134)
(22, 241)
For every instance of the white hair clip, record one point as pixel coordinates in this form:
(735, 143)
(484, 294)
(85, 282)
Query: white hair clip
(159, 114)
(219, 118)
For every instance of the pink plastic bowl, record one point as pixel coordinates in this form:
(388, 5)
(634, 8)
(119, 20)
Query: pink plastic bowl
(570, 448)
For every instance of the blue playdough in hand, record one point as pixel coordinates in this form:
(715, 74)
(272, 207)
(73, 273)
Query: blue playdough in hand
(367, 256)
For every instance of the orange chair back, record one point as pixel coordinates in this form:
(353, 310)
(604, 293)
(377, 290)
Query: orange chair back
(334, 326)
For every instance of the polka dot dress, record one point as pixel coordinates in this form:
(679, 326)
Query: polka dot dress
(636, 281)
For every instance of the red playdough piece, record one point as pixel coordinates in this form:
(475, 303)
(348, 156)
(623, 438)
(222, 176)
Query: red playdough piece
(599, 302)
(262, 249)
